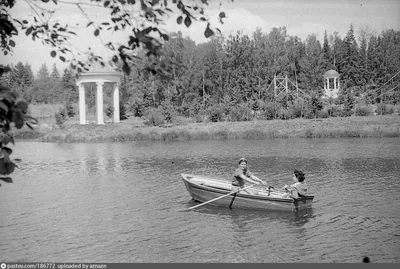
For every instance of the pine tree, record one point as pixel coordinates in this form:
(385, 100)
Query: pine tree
(350, 65)
(54, 73)
(43, 73)
(69, 88)
(28, 75)
(327, 63)
(5, 77)
(17, 76)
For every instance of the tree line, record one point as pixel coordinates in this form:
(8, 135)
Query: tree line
(232, 78)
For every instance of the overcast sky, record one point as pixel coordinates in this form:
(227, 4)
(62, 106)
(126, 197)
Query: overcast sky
(301, 18)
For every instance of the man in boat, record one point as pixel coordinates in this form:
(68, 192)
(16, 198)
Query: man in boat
(299, 188)
(242, 175)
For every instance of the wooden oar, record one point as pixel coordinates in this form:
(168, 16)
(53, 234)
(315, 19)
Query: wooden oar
(225, 195)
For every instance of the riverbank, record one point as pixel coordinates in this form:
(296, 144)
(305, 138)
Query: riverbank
(134, 130)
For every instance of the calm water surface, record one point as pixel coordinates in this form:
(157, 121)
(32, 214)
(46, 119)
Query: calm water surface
(123, 202)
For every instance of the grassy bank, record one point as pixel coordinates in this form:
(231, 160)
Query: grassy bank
(133, 129)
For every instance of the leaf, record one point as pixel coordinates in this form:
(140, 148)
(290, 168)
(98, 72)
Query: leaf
(62, 58)
(165, 37)
(96, 33)
(179, 20)
(106, 3)
(53, 54)
(25, 21)
(188, 21)
(28, 31)
(222, 15)
(6, 179)
(208, 32)
(6, 168)
(115, 59)
(12, 43)
(18, 119)
(4, 107)
(23, 106)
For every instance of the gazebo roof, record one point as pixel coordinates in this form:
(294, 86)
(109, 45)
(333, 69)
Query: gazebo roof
(100, 73)
(331, 74)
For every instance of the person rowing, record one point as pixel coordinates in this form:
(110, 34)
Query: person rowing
(242, 175)
(299, 188)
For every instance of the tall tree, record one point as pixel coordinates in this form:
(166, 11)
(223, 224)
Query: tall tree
(43, 73)
(312, 67)
(54, 72)
(327, 62)
(350, 65)
(69, 87)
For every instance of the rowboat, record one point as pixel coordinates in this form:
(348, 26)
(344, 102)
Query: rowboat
(203, 189)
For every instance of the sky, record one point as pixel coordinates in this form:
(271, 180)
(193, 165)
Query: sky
(300, 17)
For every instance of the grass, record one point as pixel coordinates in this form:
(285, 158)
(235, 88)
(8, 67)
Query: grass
(133, 129)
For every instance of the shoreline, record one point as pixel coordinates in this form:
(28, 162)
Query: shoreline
(131, 130)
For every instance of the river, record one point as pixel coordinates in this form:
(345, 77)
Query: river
(122, 202)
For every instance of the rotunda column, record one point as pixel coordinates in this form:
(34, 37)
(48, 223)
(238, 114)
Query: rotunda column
(82, 108)
(99, 102)
(115, 100)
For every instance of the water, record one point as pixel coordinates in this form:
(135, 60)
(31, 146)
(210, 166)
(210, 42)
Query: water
(122, 202)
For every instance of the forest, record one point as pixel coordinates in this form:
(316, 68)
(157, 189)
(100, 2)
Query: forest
(232, 79)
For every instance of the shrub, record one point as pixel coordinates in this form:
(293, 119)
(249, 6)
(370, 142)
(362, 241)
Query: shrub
(110, 111)
(345, 113)
(334, 111)
(362, 110)
(154, 117)
(323, 114)
(384, 109)
(295, 110)
(268, 111)
(215, 113)
(61, 117)
(240, 113)
(283, 114)
(122, 112)
(70, 109)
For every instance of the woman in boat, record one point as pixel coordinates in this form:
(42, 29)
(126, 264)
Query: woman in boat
(242, 175)
(297, 189)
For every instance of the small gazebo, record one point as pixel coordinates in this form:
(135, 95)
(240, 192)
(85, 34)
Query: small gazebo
(99, 75)
(329, 76)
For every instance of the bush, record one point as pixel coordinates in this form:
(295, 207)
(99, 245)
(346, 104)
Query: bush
(240, 113)
(384, 109)
(70, 109)
(268, 111)
(295, 110)
(215, 113)
(334, 111)
(154, 117)
(61, 117)
(345, 113)
(362, 110)
(283, 114)
(323, 114)
(122, 112)
(110, 111)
